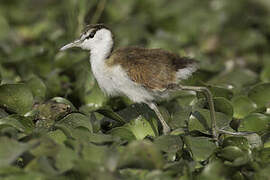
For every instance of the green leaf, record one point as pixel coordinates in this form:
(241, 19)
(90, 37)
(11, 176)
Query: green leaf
(169, 143)
(201, 121)
(236, 78)
(260, 94)
(95, 99)
(142, 155)
(141, 127)
(123, 132)
(71, 124)
(255, 122)
(200, 147)
(214, 170)
(242, 106)
(239, 142)
(230, 153)
(16, 98)
(23, 124)
(10, 150)
(218, 91)
(37, 87)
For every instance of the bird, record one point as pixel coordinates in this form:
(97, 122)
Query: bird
(141, 74)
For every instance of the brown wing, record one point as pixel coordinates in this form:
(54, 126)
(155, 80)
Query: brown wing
(153, 68)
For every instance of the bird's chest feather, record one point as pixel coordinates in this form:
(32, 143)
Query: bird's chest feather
(113, 80)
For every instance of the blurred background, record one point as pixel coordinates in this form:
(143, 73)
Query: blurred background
(230, 38)
(55, 121)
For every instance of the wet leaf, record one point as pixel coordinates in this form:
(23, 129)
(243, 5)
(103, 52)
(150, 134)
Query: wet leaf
(23, 124)
(230, 153)
(16, 98)
(10, 150)
(239, 142)
(260, 94)
(72, 121)
(169, 143)
(123, 133)
(37, 87)
(200, 147)
(255, 122)
(242, 106)
(142, 155)
(141, 127)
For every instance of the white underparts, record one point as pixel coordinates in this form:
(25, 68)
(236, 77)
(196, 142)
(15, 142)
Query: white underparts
(115, 81)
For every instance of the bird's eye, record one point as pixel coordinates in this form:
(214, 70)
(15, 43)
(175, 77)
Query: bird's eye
(91, 35)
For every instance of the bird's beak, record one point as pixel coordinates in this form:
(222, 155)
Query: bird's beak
(75, 43)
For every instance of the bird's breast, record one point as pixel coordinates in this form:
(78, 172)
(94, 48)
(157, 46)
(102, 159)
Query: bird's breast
(113, 80)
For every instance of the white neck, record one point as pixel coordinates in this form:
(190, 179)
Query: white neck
(99, 53)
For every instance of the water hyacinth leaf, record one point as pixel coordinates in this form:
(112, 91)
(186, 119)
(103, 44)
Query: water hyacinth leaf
(58, 136)
(123, 133)
(141, 155)
(10, 121)
(4, 27)
(37, 87)
(255, 122)
(236, 78)
(265, 74)
(95, 98)
(53, 84)
(242, 106)
(100, 138)
(72, 121)
(46, 147)
(141, 127)
(201, 147)
(16, 98)
(43, 165)
(200, 120)
(94, 153)
(214, 170)
(254, 140)
(112, 115)
(260, 94)
(230, 153)
(240, 142)
(169, 143)
(8, 170)
(218, 91)
(223, 105)
(179, 115)
(10, 150)
(23, 124)
(65, 159)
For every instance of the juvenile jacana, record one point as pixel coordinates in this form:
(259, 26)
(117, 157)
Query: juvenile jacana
(143, 75)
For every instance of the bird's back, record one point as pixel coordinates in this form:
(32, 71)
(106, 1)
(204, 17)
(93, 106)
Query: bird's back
(155, 69)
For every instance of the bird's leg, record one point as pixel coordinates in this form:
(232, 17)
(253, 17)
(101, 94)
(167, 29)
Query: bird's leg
(210, 101)
(166, 129)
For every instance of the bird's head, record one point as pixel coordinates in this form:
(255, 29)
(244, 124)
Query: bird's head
(94, 37)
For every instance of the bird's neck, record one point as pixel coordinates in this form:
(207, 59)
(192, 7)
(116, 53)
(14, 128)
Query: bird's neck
(101, 52)
(98, 57)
